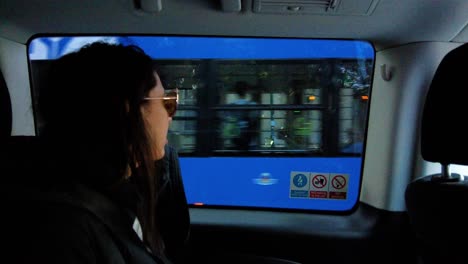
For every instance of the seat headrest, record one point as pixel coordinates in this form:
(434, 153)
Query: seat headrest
(443, 138)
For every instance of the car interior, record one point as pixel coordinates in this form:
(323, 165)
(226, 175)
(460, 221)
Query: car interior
(387, 75)
(435, 200)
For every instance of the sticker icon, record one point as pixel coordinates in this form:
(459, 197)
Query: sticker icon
(319, 185)
(339, 186)
(338, 182)
(319, 181)
(300, 180)
(299, 184)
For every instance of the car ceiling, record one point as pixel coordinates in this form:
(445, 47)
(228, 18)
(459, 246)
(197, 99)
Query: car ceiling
(385, 23)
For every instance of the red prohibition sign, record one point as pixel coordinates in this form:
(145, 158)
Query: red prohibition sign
(319, 181)
(339, 182)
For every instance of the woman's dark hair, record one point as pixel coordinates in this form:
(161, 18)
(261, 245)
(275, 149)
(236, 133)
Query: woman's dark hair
(91, 107)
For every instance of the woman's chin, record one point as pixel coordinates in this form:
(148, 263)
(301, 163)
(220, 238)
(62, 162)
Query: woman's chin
(159, 154)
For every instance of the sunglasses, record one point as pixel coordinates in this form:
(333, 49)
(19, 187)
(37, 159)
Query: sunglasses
(170, 101)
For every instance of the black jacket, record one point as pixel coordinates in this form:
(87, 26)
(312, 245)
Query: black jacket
(80, 225)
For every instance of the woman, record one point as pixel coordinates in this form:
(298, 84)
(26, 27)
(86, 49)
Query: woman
(106, 116)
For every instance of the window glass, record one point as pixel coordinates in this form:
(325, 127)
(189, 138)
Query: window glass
(262, 122)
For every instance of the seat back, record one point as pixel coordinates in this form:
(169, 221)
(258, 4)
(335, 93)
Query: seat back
(22, 161)
(5, 110)
(437, 203)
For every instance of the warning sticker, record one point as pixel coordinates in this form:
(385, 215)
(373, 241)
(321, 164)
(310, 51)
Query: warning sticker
(319, 185)
(299, 184)
(338, 186)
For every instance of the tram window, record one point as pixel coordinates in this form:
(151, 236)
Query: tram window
(280, 123)
(271, 106)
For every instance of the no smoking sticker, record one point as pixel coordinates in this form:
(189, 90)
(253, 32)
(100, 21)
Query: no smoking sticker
(338, 188)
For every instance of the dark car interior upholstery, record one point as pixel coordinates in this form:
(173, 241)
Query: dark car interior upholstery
(5, 110)
(437, 204)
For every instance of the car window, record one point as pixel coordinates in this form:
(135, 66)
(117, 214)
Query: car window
(262, 122)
